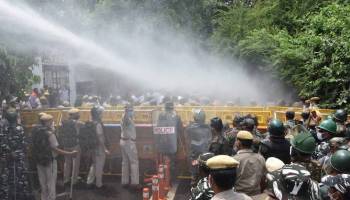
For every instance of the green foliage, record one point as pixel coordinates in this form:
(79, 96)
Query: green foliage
(304, 43)
(15, 72)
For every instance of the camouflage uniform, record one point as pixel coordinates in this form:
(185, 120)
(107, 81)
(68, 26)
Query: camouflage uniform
(258, 137)
(292, 182)
(220, 146)
(14, 181)
(4, 171)
(314, 168)
(322, 150)
(202, 191)
(340, 182)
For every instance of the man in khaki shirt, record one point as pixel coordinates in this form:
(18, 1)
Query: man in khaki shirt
(251, 169)
(222, 177)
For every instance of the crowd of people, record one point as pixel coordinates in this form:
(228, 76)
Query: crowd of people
(305, 158)
(48, 97)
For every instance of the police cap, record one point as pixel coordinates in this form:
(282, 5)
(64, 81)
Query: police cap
(222, 162)
(244, 135)
(73, 111)
(46, 117)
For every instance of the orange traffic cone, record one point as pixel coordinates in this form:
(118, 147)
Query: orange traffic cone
(155, 188)
(161, 182)
(145, 194)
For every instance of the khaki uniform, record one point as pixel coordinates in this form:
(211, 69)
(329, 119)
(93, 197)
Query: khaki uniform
(68, 165)
(48, 174)
(98, 159)
(130, 163)
(250, 172)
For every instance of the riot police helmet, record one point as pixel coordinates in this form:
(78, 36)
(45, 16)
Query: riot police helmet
(340, 115)
(216, 123)
(96, 112)
(276, 128)
(340, 161)
(199, 115)
(169, 106)
(290, 115)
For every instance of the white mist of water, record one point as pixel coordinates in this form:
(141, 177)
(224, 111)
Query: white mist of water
(152, 63)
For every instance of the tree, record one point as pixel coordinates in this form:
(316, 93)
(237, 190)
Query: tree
(16, 74)
(304, 43)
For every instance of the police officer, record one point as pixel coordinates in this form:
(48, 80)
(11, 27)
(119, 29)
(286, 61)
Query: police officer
(303, 146)
(202, 190)
(166, 133)
(305, 115)
(339, 165)
(198, 136)
(314, 102)
(276, 145)
(69, 137)
(45, 150)
(250, 125)
(324, 132)
(340, 117)
(290, 121)
(4, 149)
(315, 118)
(340, 162)
(219, 145)
(338, 186)
(222, 178)
(130, 162)
(251, 170)
(292, 181)
(14, 182)
(333, 145)
(100, 152)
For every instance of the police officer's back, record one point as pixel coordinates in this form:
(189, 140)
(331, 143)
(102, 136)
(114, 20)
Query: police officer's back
(292, 181)
(303, 146)
(202, 190)
(198, 137)
(340, 117)
(219, 145)
(276, 145)
(167, 131)
(222, 178)
(198, 134)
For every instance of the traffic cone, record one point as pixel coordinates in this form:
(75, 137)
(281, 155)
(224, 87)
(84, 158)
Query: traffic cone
(167, 173)
(161, 181)
(155, 188)
(145, 193)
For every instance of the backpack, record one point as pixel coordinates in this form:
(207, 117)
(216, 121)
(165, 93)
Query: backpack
(68, 134)
(41, 149)
(88, 137)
